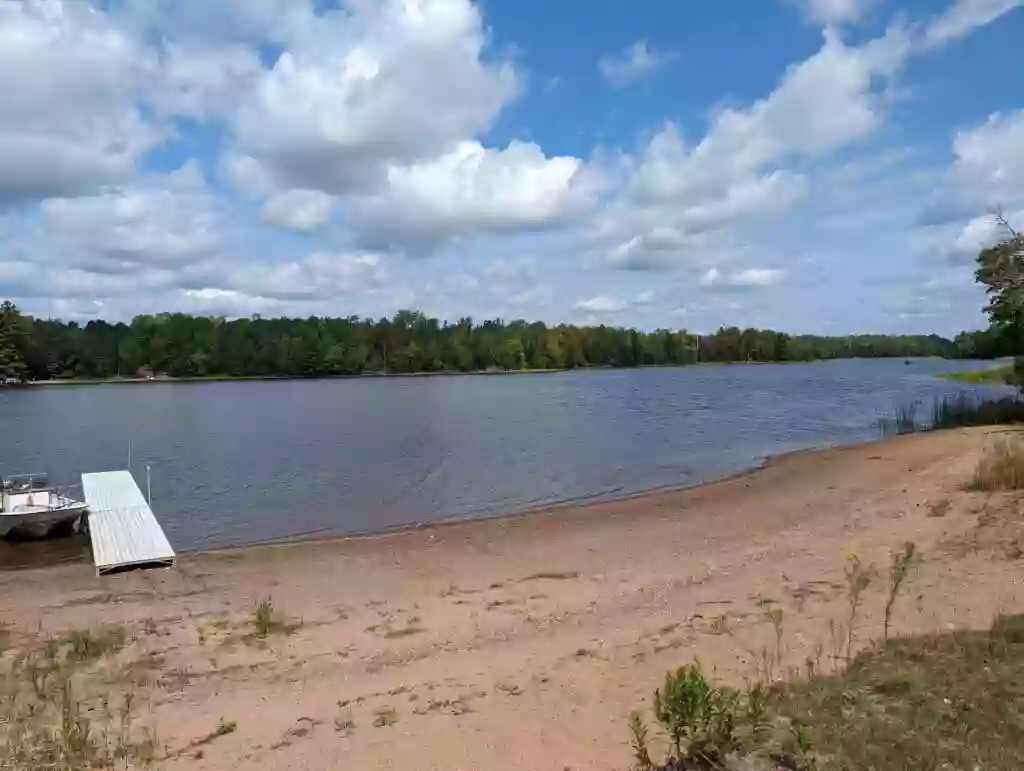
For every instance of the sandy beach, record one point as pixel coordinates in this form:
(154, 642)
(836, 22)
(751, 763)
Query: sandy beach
(523, 643)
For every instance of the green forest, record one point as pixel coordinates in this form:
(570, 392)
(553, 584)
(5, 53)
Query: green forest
(179, 345)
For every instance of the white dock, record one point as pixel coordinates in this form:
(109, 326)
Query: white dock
(122, 527)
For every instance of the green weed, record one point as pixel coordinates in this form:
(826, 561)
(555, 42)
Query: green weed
(267, 620)
(638, 741)
(858, 578)
(90, 644)
(902, 562)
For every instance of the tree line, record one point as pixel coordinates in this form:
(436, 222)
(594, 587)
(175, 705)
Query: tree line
(1000, 268)
(180, 345)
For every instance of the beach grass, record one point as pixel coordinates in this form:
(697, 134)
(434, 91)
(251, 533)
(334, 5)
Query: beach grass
(956, 411)
(965, 410)
(47, 722)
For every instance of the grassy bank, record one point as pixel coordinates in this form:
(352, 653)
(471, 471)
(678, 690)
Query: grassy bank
(942, 701)
(1001, 375)
(928, 702)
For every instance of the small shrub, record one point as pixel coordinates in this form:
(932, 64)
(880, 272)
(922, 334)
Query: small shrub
(695, 713)
(267, 620)
(385, 716)
(709, 726)
(264, 619)
(1000, 468)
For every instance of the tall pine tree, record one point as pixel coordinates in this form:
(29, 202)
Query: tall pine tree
(12, 365)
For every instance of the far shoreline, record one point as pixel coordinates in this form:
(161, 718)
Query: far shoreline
(54, 382)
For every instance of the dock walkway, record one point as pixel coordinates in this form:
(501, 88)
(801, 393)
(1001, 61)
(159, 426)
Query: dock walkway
(122, 527)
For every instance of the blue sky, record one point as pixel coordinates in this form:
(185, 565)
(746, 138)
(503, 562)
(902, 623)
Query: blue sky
(806, 165)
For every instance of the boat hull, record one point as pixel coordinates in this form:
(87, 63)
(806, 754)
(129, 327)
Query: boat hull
(40, 522)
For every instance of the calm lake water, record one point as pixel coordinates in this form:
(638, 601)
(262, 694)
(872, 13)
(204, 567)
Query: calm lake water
(243, 462)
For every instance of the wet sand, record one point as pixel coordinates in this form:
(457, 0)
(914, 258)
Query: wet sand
(523, 643)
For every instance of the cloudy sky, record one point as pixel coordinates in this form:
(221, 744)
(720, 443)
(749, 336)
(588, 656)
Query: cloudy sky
(806, 165)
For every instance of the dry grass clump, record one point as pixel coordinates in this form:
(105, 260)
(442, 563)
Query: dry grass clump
(46, 722)
(1001, 467)
(267, 620)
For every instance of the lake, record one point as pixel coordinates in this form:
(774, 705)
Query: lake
(237, 463)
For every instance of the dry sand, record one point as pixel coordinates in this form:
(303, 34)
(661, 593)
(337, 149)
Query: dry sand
(523, 643)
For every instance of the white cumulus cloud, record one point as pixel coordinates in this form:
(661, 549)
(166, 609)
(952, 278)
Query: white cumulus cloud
(395, 81)
(69, 119)
(167, 220)
(473, 188)
(676, 192)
